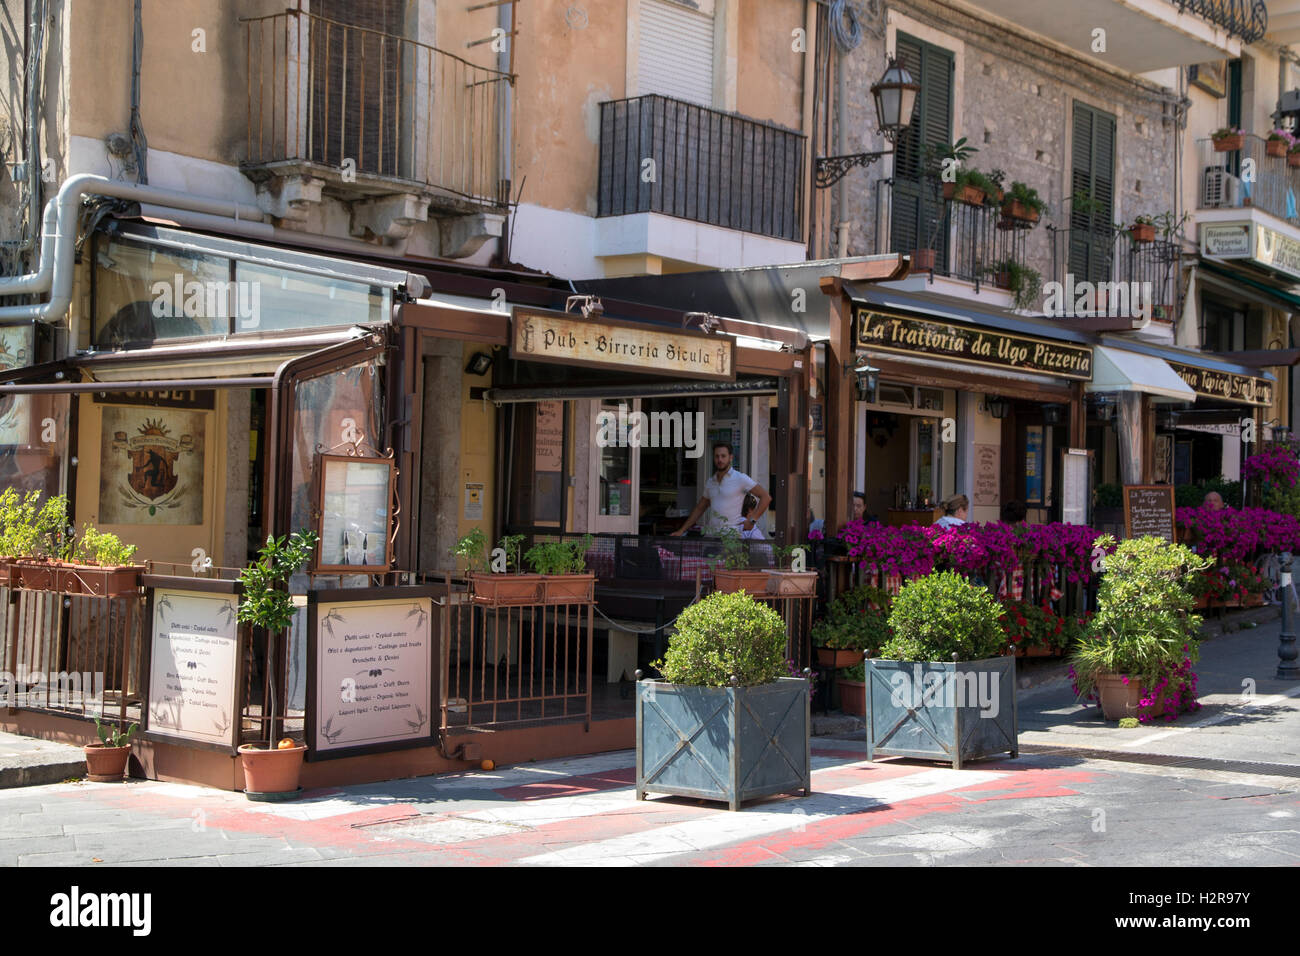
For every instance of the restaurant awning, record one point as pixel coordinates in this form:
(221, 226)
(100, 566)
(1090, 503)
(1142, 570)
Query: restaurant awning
(1116, 370)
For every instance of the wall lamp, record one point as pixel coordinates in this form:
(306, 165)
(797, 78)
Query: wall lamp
(895, 96)
(865, 379)
(998, 407)
(479, 363)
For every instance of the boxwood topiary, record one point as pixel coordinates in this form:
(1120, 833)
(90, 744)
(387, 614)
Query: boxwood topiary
(943, 614)
(725, 635)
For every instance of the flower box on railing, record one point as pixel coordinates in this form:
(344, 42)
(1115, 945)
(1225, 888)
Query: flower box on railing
(1229, 144)
(968, 195)
(1275, 147)
(1293, 159)
(1015, 209)
(66, 578)
(505, 590)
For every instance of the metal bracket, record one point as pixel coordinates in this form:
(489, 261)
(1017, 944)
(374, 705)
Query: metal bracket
(831, 169)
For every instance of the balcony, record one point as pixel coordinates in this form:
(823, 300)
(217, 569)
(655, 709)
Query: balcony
(395, 126)
(1141, 35)
(1122, 275)
(666, 156)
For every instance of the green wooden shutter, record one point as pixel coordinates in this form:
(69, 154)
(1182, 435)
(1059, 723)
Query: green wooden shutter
(915, 210)
(1092, 240)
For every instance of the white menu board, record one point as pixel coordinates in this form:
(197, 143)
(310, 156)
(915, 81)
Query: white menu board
(374, 660)
(1074, 486)
(193, 665)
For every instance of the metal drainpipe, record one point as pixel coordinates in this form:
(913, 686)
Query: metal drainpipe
(58, 244)
(842, 148)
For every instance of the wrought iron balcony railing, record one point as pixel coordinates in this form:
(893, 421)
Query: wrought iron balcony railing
(668, 156)
(1247, 19)
(1248, 177)
(1111, 273)
(379, 105)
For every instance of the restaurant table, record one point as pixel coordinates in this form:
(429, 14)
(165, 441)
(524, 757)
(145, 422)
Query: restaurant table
(899, 517)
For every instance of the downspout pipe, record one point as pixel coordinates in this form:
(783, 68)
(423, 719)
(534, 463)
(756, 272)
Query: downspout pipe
(59, 241)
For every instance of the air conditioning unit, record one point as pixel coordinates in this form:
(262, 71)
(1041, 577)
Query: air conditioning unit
(1219, 188)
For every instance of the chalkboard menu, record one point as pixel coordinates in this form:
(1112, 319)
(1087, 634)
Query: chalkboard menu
(1149, 511)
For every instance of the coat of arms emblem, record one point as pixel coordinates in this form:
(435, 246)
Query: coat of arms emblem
(153, 453)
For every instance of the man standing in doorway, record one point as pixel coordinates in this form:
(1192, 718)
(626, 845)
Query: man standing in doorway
(725, 492)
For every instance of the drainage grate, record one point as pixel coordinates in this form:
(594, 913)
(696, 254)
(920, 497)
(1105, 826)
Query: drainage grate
(1168, 760)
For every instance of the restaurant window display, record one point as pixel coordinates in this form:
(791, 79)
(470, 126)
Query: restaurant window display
(906, 466)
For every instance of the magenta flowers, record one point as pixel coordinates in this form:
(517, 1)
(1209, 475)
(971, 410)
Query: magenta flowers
(1276, 465)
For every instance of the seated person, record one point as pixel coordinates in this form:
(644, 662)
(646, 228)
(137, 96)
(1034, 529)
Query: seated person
(1013, 512)
(954, 512)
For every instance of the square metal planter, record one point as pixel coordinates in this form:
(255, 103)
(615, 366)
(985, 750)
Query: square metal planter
(951, 711)
(730, 744)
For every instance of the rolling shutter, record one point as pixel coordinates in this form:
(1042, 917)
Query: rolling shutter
(917, 211)
(675, 52)
(1092, 238)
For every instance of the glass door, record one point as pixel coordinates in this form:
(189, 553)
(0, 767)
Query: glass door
(615, 477)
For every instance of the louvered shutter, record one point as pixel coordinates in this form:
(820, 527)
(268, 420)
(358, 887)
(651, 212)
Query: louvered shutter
(916, 211)
(675, 52)
(1092, 172)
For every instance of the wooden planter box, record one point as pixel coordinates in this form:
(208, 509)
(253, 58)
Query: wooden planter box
(904, 720)
(1275, 147)
(729, 744)
(1228, 144)
(792, 583)
(853, 697)
(506, 590)
(1142, 232)
(1015, 209)
(969, 195)
(837, 657)
(98, 581)
(568, 588)
(751, 582)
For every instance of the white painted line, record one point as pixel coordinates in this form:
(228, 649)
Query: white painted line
(1217, 718)
(724, 827)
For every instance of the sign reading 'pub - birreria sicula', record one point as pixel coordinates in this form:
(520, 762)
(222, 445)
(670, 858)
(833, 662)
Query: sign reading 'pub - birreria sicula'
(1246, 389)
(883, 332)
(538, 336)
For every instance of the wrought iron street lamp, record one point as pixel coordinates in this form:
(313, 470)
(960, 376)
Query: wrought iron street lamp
(895, 96)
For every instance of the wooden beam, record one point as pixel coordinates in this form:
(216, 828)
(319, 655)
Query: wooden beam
(766, 362)
(840, 425)
(444, 323)
(877, 269)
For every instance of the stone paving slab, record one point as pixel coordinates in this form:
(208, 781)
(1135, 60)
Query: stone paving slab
(28, 762)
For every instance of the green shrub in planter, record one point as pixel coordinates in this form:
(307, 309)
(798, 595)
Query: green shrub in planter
(725, 636)
(857, 620)
(724, 723)
(943, 614)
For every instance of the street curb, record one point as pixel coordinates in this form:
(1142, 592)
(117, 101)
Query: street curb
(40, 774)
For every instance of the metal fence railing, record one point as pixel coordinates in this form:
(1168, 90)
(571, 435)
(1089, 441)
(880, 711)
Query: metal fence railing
(668, 156)
(1138, 273)
(326, 92)
(1248, 177)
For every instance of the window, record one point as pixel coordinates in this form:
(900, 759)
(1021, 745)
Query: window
(918, 212)
(675, 52)
(615, 479)
(1092, 186)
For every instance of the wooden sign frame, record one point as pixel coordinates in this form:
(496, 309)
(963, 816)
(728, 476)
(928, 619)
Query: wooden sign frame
(1173, 509)
(324, 463)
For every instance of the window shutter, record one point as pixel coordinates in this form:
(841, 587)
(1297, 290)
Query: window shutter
(1092, 172)
(675, 52)
(916, 210)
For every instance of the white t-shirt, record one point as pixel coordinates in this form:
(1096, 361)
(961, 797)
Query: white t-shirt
(948, 521)
(727, 497)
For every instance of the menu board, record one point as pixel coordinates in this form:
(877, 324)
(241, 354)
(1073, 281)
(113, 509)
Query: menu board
(373, 662)
(193, 666)
(1075, 491)
(1149, 511)
(988, 475)
(355, 507)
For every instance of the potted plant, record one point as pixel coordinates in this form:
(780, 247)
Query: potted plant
(36, 538)
(996, 179)
(1143, 229)
(970, 187)
(563, 569)
(735, 574)
(1143, 628)
(724, 723)
(101, 566)
(507, 587)
(1278, 143)
(1023, 204)
(787, 581)
(1227, 139)
(1293, 155)
(940, 689)
(1024, 283)
(271, 771)
(856, 621)
(106, 761)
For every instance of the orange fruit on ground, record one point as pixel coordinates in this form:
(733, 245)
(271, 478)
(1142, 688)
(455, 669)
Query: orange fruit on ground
(286, 744)
(487, 765)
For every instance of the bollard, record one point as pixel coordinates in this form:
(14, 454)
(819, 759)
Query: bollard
(1286, 649)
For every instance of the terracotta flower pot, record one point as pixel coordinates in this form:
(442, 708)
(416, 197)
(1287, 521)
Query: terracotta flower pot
(1002, 280)
(271, 771)
(1228, 144)
(98, 580)
(837, 657)
(1293, 159)
(1142, 232)
(105, 764)
(506, 590)
(923, 260)
(1275, 147)
(1015, 209)
(1038, 650)
(568, 588)
(853, 697)
(751, 582)
(1119, 699)
(36, 575)
(792, 583)
(969, 195)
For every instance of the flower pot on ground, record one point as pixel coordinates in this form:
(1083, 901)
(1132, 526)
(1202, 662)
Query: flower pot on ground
(937, 690)
(855, 622)
(1144, 632)
(106, 761)
(724, 724)
(563, 567)
(266, 603)
(1121, 697)
(853, 691)
(837, 658)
